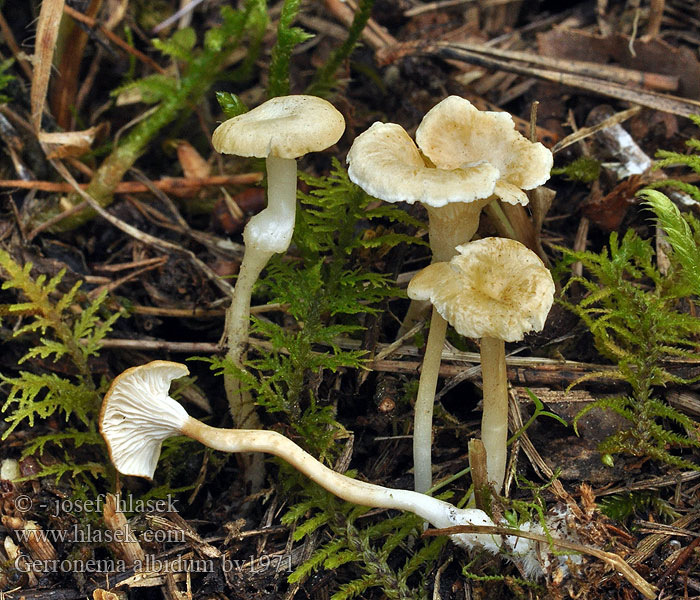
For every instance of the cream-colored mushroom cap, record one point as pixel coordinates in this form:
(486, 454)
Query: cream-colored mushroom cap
(385, 162)
(454, 133)
(137, 415)
(286, 126)
(494, 287)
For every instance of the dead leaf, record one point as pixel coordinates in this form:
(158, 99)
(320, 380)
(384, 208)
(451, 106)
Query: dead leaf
(191, 161)
(608, 211)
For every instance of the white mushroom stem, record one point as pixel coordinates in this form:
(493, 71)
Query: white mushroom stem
(267, 233)
(450, 226)
(494, 420)
(425, 401)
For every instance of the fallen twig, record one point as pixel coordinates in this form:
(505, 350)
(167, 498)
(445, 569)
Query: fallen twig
(176, 186)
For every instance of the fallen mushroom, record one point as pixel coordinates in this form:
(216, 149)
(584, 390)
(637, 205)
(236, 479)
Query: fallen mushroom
(474, 157)
(279, 130)
(497, 290)
(138, 414)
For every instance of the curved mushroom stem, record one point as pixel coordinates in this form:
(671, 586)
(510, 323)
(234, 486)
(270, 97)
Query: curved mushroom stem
(494, 421)
(138, 415)
(439, 513)
(425, 401)
(267, 233)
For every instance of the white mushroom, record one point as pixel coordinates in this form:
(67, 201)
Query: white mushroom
(385, 162)
(135, 425)
(279, 130)
(497, 290)
(138, 414)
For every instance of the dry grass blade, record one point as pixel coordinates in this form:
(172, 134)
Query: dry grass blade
(612, 73)
(612, 559)
(585, 132)
(46, 34)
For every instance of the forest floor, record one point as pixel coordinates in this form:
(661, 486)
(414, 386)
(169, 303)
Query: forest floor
(604, 85)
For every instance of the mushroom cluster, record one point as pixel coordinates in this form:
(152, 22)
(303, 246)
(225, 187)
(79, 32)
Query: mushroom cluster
(464, 159)
(495, 290)
(138, 414)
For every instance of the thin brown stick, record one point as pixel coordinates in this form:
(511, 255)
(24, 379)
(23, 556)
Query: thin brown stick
(663, 102)
(584, 132)
(201, 313)
(177, 186)
(90, 22)
(55, 219)
(161, 346)
(113, 285)
(9, 38)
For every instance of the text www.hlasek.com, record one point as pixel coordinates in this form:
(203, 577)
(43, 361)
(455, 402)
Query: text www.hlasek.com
(90, 535)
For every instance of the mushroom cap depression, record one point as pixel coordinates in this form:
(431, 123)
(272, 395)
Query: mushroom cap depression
(385, 162)
(286, 126)
(494, 287)
(137, 415)
(455, 134)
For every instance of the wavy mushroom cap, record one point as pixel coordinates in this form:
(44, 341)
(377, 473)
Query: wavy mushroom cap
(454, 133)
(137, 415)
(286, 127)
(384, 161)
(494, 287)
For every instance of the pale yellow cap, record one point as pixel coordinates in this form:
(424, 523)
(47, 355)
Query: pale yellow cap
(385, 162)
(494, 287)
(286, 127)
(455, 134)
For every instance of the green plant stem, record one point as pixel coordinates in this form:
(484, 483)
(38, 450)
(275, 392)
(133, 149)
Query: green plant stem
(494, 421)
(425, 400)
(201, 74)
(324, 80)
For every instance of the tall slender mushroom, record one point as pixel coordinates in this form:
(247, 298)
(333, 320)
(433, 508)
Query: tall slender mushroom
(279, 130)
(473, 157)
(138, 414)
(497, 290)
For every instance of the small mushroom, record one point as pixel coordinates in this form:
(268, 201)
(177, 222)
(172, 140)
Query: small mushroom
(279, 130)
(134, 434)
(385, 162)
(497, 290)
(138, 414)
(454, 133)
